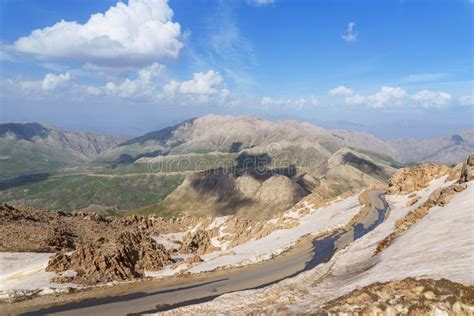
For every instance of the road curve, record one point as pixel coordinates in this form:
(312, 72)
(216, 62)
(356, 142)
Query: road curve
(160, 298)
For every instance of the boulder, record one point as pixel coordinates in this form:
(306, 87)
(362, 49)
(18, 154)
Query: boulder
(198, 242)
(467, 172)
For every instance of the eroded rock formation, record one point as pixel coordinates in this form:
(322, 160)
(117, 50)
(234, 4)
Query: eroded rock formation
(407, 180)
(467, 172)
(121, 257)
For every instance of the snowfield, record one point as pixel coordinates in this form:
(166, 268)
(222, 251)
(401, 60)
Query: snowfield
(441, 245)
(23, 274)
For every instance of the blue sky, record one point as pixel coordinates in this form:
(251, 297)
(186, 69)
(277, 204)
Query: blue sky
(392, 68)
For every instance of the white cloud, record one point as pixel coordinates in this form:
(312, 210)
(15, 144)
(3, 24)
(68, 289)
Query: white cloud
(386, 96)
(143, 85)
(466, 100)
(261, 3)
(267, 102)
(425, 77)
(201, 84)
(52, 82)
(429, 98)
(135, 34)
(341, 90)
(202, 89)
(351, 35)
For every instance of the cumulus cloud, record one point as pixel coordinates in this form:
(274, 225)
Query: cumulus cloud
(386, 96)
(203, 89)
(395, 96)
(341, 90)
(139, 33)
(143, 85)
(429, 98)
(291, 103)
(50, 82)
(351, 35)
(201, 84)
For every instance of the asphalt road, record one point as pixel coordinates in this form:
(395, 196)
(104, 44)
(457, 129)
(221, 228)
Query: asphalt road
(161, 298)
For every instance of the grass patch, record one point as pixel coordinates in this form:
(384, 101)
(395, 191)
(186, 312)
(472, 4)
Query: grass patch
(79, 191)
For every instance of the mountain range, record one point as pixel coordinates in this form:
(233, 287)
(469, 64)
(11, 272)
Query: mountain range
(223, 164)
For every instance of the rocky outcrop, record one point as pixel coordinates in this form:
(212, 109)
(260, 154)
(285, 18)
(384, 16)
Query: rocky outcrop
(406, 297)
(439, 197)
(61, 238)
(123, 257)
(194, 259)
(198, 242)
(407, 180)
(28, 229)
(467, 172)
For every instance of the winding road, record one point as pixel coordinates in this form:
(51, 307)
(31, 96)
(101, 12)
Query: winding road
(155, 296)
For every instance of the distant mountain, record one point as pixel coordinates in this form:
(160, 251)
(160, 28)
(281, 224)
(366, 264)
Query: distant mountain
(448, 149)
(224, 134)
(32, 147)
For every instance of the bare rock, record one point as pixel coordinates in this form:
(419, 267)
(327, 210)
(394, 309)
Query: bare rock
(413, 201)
(467, 172)
(198, 242)
(59, 262)
(194, 259)
(407, 180)
(61, 238)
(122, 257)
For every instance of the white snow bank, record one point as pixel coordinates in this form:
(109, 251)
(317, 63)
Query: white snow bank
(169, 241)
(23, 274)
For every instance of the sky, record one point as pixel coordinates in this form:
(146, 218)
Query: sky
(392, 68)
